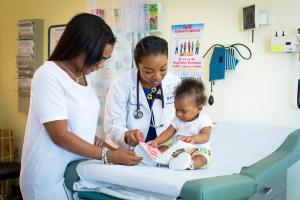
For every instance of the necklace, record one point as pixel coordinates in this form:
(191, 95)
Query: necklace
(77, 78)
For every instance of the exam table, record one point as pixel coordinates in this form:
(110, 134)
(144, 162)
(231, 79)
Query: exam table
(260, 172)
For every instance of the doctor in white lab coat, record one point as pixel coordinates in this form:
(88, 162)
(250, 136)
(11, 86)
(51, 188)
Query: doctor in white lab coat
(140, 103)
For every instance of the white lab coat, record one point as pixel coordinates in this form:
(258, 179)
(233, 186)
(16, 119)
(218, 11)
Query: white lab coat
(121, 103)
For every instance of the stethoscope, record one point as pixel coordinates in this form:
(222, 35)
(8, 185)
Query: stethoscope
(138, 114)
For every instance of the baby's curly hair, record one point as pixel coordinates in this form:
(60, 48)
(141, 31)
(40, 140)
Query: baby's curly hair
(192, 87)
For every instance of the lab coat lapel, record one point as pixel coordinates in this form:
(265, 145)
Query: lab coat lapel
(143, 101)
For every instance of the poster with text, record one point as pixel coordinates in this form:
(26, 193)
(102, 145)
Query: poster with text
(186, 49)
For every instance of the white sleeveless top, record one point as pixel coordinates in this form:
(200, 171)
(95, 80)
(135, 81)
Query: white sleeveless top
(54, 96)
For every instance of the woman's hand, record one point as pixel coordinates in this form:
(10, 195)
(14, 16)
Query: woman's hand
(123, 157)
(132, 137)
(188, 139)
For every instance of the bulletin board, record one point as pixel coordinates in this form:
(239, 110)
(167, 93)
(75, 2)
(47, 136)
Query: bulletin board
(54, 34)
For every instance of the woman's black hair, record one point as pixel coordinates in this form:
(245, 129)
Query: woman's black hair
(194, 88)
(150, 45)
(87, 34)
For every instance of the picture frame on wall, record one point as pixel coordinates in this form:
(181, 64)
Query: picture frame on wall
(54, 34)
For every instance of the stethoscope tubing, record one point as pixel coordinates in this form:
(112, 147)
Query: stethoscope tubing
(137, 92)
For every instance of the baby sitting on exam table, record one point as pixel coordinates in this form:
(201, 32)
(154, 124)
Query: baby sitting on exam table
(190, 125)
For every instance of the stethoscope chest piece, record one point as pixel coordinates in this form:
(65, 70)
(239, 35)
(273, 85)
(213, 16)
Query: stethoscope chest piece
(138, 114)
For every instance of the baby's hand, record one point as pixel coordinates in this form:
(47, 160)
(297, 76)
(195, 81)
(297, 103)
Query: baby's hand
(188, 139)
(177, 152)
(153, 143)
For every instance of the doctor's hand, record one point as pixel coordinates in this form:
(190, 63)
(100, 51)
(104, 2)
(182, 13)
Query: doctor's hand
(132, 137)
(123, 157)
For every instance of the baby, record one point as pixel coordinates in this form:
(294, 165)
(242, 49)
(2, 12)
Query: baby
(190, 125)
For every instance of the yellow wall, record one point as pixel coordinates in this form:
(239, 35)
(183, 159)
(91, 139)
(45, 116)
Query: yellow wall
(1, 69)
(53, 12)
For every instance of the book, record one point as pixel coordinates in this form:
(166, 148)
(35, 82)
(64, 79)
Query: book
(153, 157)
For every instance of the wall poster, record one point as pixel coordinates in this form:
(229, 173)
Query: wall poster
(186, 51)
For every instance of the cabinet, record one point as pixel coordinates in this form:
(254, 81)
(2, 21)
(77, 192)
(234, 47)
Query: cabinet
(29, 57)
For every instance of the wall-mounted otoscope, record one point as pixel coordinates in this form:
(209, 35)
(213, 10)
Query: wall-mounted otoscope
(298, 92)
(282, 43)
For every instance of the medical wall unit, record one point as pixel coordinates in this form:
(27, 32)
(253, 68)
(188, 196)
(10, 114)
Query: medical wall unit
(29, 57)
(282, 43)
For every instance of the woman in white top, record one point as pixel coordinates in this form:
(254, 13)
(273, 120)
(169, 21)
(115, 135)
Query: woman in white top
(140, 103)
(64, 109)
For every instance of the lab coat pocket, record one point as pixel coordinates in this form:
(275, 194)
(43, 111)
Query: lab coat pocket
(133, 105)
(138, 123)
